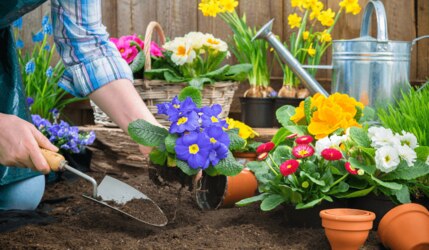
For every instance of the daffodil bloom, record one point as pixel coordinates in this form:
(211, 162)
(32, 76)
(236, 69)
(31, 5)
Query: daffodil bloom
(326, 17)
(210, 8)
(228, 5)
(308, 4)
(305, 35)
(315, 13)
(297, 3)
(351, 6)
(294, 20)
(325, 37)
(311, 51)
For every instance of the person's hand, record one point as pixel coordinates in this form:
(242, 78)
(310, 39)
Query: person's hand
(20, 144)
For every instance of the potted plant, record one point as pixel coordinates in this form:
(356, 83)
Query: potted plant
(196, 140)
(308, 44)
(246, 148)
(39, 73)
(256, 105)
(334, 156)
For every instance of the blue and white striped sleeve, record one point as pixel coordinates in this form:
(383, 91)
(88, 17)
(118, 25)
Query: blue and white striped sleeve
(91, 60)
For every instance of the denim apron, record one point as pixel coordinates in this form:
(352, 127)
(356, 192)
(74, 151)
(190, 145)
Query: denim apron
(12, 98)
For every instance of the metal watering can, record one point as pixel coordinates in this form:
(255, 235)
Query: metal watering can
(372, 70)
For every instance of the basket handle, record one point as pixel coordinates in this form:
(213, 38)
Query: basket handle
(148, 39)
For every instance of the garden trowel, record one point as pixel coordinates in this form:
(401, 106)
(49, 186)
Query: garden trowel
(112, 192)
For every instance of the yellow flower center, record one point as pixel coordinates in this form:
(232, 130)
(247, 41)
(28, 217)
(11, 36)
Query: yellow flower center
(289, 166)
(182, 120)
(214, 119)
(122, 50)
(193, 149)
(213, 140)
(181, 50)
(176, 106)
(302, 152)
(387, 158)
(213, 41)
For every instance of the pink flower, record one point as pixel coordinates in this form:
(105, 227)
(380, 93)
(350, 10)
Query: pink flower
(350, 169)
(305, 139)
(289, 167)
(302, 151)
(262, 156)
(291, 136)
(331, 154)
(265, 147)
(155, 50)
(123, 44)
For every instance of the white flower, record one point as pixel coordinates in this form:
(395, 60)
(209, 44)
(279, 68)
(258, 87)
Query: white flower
(183, 54)
(381, 137)
(408, 139)
(407, 154)
(386, 159)
(215, 43)
(337, 140)
(197, 39)
(330, 142)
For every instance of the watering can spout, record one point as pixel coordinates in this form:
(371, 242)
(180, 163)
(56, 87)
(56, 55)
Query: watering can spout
(309, 82)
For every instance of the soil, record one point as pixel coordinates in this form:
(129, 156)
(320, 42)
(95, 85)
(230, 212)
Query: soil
(79, 223)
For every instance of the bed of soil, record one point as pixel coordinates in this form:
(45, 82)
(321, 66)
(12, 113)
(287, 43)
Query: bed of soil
(79, 223)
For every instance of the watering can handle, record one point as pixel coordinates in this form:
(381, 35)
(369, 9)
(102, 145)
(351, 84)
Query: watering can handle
(381, 20)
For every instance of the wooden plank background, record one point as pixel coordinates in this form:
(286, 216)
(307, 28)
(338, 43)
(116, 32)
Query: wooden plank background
(406, 20)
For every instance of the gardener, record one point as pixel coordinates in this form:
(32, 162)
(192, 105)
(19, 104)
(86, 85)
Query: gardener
(94, 68)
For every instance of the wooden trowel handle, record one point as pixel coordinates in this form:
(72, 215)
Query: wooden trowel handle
(56, 161)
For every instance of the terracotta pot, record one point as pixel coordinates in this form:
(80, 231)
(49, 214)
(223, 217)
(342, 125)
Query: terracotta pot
(224, 191)
(379, 205)
(346, 229)
(245, 157)
(405, 227)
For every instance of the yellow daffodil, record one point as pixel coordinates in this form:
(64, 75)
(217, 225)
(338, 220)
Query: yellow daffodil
(317, 6)
(325, 37)
(311, 51)
(351, 6)
(315, 10)
(297, 3)
(294, 20)
(228, 5)
(210, 7)
(305, 35)
(308, 4)
(326, 17)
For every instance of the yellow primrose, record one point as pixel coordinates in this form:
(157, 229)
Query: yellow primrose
(311, 51)
(316, 101)
(325, 37)
(244, 131)
(305, 35)
(294, 20)
(228, 5)
(326, 17)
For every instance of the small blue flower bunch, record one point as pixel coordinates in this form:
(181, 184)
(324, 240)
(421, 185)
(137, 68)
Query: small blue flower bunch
(202, 139)
(197, 139)
(61, 134)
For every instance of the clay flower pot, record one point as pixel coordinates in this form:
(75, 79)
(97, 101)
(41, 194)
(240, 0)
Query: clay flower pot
(224, 191)
(346, 229)
(405, 227)
(245, 157)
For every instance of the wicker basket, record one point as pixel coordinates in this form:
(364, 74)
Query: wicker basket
(157, 91)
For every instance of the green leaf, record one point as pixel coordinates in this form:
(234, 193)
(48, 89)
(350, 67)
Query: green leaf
(170, 143)
(186, 169)
(312, 179)
(198, 83)
(236, 142)
(271, 202)
(342, 187)
(158, 157)
(280, 136)
(360, 137)
(211, 171)
(284, 114)
(359, 113)
(193, 93)
(171, 161)
(422, 153)
(216, 73)
(403, 195)
(403, 172)
(238, 72)
(281, 154)
(307, 109)
(170, 76)
(297, 129)
(309, 204)
(390, 185)
(370, 169)
(355, 194)
(146, 134)
(229, 166)
(369, 115)
(138, 62)
(250, 200)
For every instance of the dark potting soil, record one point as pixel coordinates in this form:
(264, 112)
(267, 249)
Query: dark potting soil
(83, 224)
(142, 209)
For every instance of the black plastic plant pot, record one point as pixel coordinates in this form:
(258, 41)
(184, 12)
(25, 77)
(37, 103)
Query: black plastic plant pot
(257, 112)
(379, 205)
(309, 218)
(282, 101)
(163, 175)
(80, 161)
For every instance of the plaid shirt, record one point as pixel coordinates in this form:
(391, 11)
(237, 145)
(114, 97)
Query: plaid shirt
(91, 60)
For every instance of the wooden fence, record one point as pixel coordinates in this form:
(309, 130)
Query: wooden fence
(407, 19)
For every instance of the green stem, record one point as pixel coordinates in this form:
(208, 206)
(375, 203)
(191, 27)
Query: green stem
(339, 180)
(272, 169)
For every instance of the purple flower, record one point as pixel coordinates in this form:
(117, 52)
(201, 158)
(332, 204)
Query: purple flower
(219, 152)
(210, 116)
(163, 107)
(30, 101)
(18, 23)
(38, 37)
(194, 148)
(40, 123)
(187, 122)
(220, 141)
(178, 109)
(47, 29)
(19, 44)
